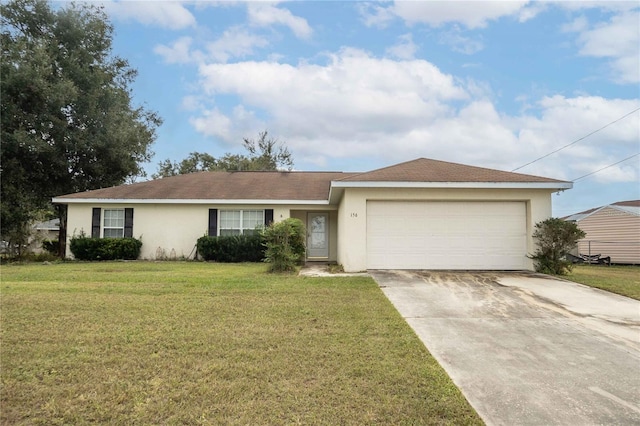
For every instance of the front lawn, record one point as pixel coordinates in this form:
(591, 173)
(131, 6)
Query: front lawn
(624, 280)
(202, 343)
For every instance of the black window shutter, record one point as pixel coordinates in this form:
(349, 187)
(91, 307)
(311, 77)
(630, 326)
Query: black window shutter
(95, 222)
(268, 217)
(213, 222)
(128, 223)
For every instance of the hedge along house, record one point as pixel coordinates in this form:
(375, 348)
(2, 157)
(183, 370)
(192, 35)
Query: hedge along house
(422, 214)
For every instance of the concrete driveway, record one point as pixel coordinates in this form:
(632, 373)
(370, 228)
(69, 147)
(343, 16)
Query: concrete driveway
(526, 349)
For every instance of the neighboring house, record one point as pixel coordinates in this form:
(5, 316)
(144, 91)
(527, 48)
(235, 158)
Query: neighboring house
(612, 230)
(48, 230)
(43, 231)
(421, 214)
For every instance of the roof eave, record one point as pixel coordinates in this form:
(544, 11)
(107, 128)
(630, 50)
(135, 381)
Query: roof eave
(62, 200)
(559, 185)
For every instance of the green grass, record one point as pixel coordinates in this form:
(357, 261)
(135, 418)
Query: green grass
(201, 343)
(624, 280)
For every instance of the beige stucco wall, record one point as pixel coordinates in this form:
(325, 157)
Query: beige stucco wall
(162, 227)
(174, 228)
(78, 221)
(352, 214)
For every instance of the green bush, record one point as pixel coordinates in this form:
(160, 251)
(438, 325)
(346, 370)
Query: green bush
(232, 248)
(84, 248)
(555, 238)
(285, 243)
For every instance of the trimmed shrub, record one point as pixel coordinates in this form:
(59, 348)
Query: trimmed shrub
(285, 243)
(84, 248)
(232, 248)
(555, 238)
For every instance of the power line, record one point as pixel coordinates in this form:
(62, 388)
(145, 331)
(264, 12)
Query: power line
(604, 168)
(577, 140)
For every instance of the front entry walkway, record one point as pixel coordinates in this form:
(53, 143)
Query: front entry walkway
(527, 349)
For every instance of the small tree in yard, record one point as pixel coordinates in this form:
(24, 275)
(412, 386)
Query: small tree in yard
(285, 245)
(555, 238)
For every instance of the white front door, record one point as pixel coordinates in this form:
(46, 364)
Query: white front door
(317, 236)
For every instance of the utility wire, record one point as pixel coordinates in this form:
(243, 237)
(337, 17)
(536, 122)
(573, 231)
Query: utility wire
(610, 165)
(577, 140)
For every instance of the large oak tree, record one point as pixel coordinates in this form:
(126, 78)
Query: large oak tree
(67, 119)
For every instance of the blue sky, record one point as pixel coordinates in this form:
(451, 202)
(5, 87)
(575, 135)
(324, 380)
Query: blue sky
(355, 86)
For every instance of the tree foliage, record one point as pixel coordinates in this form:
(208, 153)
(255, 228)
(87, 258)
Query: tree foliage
(264, 153)
(555, 238)
(68, 123)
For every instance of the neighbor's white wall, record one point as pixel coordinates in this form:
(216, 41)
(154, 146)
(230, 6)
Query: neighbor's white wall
(352, 214)
(612, 232)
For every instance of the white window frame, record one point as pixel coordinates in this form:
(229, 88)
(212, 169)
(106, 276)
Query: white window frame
(242, 228)
(112, 226)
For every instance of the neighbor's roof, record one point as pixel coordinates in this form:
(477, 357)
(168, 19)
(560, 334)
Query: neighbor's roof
(427, 170)
(306, 186)
(631, 207)
(48, 225)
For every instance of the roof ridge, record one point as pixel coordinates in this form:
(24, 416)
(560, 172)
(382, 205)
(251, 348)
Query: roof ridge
(616, 204)
(389, 167)
(625, 203)
(409, 167)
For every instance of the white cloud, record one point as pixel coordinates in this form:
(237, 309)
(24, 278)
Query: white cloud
(619, 40)
(191, 103)
(460, 43)
(577, 25)
(164, 14)
(213, 123)
(375, 15)
(399, 110)
(607, 5)
(266, 14)
(236, 42)
(531, 10)
(564, 120)
(339, 97)
(179, 52)
(404, 49)
(467, 13)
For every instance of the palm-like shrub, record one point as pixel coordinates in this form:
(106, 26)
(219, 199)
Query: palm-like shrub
(555, 238)
(285, 243)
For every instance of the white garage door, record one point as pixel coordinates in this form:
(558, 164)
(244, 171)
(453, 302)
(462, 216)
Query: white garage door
(446, 235)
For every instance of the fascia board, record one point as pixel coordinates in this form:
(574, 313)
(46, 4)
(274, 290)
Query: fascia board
(475, 185)
(608, 206)
(60, 200)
